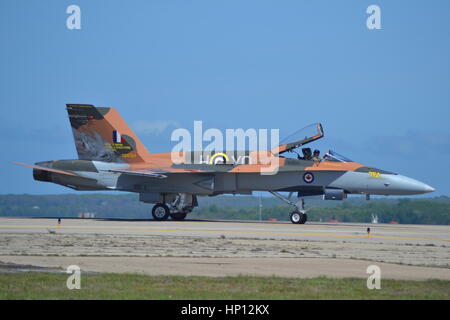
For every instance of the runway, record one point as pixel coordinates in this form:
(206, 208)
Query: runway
(384, 233)
(219, 248)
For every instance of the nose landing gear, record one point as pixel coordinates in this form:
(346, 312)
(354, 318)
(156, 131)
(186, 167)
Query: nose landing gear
(298, 216)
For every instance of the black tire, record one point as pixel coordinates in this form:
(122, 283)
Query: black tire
(179, 215)
(160, 212)
(304, 218)
(298, 217)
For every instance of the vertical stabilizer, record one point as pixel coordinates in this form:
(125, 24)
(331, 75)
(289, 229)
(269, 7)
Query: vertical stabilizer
(101, 134)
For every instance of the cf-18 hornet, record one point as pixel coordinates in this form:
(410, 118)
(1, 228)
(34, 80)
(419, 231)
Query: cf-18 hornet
(111, 157)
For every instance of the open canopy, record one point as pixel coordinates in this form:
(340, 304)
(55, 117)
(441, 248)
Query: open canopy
(299, 138)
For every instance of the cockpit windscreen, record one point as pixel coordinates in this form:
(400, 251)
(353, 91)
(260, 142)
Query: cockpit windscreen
(334, 156)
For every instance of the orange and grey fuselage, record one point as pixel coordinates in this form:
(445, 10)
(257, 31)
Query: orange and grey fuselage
(111, 157)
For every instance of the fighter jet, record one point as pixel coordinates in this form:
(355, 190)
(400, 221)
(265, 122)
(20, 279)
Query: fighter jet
(111, 157)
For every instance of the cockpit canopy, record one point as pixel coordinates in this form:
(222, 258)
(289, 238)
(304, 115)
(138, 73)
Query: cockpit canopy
(304, 136)
(299, 138)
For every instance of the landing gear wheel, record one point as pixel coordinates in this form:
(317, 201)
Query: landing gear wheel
(304, 218)
(179, 215)
(298, 217)
(160, 212)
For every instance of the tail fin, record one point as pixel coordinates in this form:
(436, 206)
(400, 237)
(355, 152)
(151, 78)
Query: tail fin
(101, 134)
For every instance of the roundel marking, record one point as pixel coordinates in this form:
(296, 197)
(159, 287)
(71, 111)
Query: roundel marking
(308, 177)
(218, 158)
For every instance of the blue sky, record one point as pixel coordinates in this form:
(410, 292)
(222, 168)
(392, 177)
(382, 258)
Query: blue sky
(383, 96)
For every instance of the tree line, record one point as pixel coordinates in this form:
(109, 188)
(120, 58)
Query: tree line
(127, 206)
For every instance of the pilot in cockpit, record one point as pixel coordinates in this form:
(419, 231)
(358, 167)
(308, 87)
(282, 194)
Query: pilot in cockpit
(316, 156)
(307, 153)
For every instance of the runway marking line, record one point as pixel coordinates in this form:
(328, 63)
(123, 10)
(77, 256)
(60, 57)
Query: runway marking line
(226, 232)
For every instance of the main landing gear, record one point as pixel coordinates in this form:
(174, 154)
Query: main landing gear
(160, 212)
(298, 216)
(177, 210)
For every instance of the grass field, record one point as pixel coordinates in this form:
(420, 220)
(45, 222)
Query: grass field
(36, 285)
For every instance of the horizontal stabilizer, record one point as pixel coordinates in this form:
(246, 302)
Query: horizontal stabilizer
(44, 168)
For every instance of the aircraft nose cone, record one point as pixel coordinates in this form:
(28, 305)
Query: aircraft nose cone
(405, 185)
(428, 189)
